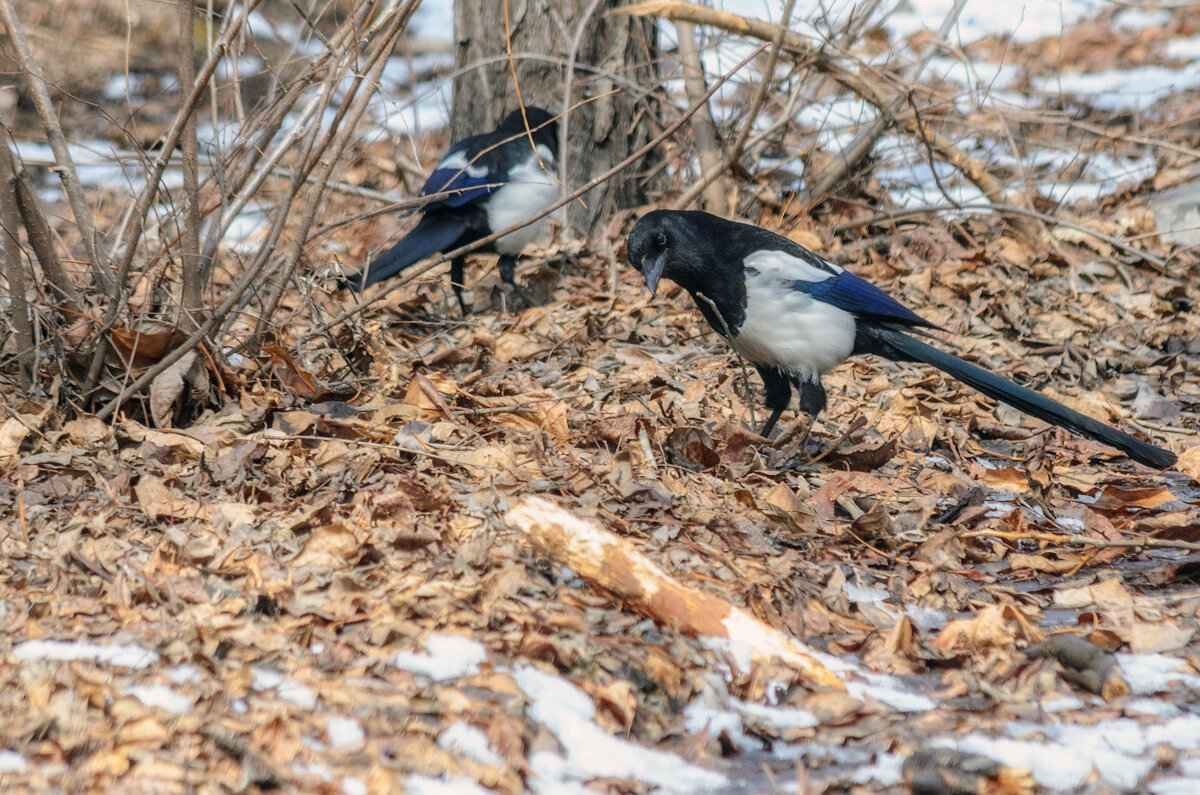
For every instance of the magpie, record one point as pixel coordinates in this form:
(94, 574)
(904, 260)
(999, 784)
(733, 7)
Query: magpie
(796, 315)
(493, 180)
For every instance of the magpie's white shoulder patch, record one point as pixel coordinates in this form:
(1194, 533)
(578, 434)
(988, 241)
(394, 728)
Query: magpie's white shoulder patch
(457, 161)
(785, 327)
(786, 267)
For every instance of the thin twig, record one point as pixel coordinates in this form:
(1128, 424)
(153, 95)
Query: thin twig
(739, 144)
(865, 140)
(134, 218)
(330, 154)
(869, 90)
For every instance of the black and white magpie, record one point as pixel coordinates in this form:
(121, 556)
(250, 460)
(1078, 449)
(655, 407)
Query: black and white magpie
(795, 315)
(494, 180)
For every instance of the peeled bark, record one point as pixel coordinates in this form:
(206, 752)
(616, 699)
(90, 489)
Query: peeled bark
(615, 55)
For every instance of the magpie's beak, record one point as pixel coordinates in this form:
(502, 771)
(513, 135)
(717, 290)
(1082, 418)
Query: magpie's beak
(652, 271)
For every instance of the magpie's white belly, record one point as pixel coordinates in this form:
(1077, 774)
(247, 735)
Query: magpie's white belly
(529, 191)
(791, 330)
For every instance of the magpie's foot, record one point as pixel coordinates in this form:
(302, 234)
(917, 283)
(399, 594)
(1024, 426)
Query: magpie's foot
(510, 297)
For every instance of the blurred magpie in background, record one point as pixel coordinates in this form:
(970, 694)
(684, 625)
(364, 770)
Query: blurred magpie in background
(494, 180)
(795, 316)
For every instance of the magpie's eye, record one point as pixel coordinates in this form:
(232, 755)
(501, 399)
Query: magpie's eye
(661, 239)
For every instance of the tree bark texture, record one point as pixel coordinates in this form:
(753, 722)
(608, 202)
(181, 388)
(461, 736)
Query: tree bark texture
(616, 62)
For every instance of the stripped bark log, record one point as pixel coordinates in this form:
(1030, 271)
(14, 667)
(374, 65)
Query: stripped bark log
(614, 564)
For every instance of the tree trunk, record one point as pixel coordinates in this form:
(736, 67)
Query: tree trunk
(616, 61)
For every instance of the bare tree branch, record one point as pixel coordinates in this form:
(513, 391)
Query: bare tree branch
(865, 140)
(194, 269)
(38, 231)
(36, 81)
(9, 220)
(718, 190)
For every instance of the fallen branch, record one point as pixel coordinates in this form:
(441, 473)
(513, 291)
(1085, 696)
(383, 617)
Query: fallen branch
(614, 564)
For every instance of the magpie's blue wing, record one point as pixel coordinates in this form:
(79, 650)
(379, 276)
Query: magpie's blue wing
(858, 296)
(464, 188)
(473, 169)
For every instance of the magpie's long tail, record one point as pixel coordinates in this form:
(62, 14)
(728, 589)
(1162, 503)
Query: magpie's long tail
(897, 346)
(432, 234)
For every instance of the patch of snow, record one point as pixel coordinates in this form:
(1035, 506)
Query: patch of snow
(352, 785)
(126, 656)
(446, 657)
(1051, 764)
(1025, 21)
(246, 66)
(343, 732)
(248, 229)
(717, 711)
(288, 689)
(161, 696)
(461, 737)
(1172, 786)
(1135, 19)
(926, 618)
(1063, 755)
(184, 673)
(1064, 704)
(399, 72)
(312, 769)
(1186, 49)
(976, 75)
(591, 752)
(869, 596)
(888, 690)
(1150, 706)
(1156, 673)
(1122, 89)
(429, 110)
(11, 762)
(885, 771)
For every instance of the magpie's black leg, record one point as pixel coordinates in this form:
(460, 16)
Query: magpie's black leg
(812, 401)
(508, 275)
(508, 269)
(458, 267)
(779, 394)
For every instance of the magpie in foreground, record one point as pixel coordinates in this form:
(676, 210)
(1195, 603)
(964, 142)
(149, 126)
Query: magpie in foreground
(494, 180)
(795, 316)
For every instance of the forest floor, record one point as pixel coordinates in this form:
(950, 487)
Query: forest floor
(321, 583)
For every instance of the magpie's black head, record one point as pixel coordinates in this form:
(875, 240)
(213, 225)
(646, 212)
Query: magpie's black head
(542, 123)
(677, 245)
